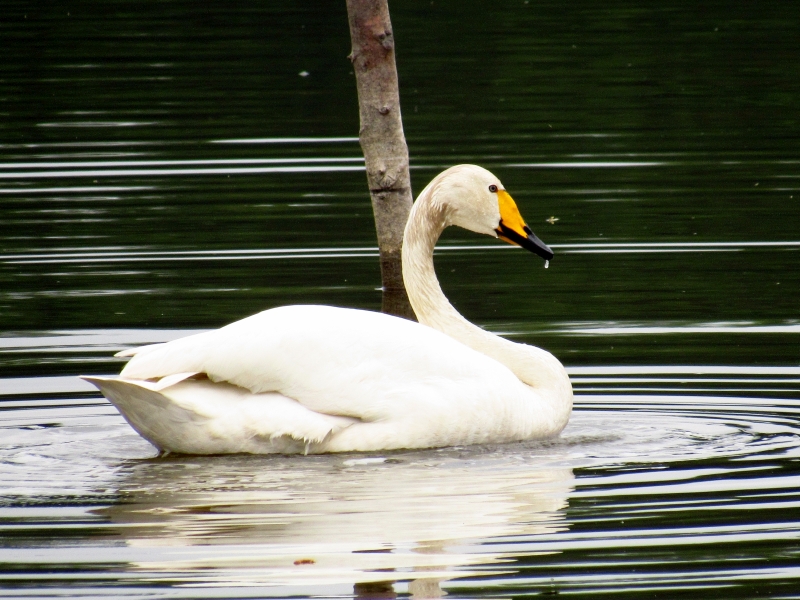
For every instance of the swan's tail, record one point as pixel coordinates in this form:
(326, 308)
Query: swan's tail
(191, 416)
(154, 416)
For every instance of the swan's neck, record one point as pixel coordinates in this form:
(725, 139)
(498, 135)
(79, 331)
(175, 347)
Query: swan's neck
(533, 366)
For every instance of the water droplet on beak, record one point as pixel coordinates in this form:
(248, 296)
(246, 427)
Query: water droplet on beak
(546, 264)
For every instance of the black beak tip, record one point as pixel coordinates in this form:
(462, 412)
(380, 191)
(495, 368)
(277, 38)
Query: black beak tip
(543, 250)
(537, 246)
(530, 242)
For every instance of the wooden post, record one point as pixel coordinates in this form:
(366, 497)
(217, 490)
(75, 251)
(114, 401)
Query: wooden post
(382, 141)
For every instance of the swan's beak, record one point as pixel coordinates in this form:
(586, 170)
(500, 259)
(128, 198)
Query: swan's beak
(512, 228)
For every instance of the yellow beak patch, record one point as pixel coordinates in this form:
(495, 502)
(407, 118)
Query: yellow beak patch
(512, 228)
(510, 217)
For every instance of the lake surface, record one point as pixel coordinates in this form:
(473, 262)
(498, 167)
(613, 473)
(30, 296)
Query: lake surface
(168, 168)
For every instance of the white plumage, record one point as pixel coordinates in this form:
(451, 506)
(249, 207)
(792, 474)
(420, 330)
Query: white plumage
(324, 379)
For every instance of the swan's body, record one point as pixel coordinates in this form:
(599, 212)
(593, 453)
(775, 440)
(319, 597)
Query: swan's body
(323, 379)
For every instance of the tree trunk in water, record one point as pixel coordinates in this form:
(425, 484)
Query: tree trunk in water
(382, 141)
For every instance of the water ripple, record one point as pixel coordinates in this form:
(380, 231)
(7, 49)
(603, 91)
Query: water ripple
(124, 255)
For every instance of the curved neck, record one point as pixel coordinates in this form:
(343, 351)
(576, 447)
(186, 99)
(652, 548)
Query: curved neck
(533, 366)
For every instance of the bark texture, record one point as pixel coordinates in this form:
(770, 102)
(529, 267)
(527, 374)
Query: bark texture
(382, 141)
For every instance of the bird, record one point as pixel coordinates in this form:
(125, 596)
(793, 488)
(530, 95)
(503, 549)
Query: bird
(311, 379)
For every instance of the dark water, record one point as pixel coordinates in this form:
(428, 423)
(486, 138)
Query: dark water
(170, 167)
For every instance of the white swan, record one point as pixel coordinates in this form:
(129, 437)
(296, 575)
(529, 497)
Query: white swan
(322, 379)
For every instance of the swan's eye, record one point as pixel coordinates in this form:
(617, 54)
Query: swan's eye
(493, 188)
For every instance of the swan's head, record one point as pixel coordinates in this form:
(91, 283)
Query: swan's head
(471, 197)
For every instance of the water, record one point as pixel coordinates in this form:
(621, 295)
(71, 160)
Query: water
(167, 169)
(649, 488)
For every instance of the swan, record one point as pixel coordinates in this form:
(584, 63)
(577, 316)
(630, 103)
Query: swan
(315, 379)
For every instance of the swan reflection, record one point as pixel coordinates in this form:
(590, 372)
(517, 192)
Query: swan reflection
(321, 520)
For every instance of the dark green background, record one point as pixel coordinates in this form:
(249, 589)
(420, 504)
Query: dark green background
(709, 91)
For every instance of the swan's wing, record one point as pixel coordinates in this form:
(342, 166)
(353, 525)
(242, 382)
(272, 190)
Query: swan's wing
(336, 361)
(201, 417)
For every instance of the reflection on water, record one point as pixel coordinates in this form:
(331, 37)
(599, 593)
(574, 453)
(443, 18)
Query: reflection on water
(335, 520)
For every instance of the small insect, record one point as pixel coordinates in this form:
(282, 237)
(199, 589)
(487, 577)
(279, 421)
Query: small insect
(305, 561)
(552, 220)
